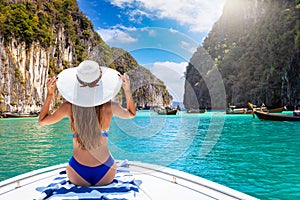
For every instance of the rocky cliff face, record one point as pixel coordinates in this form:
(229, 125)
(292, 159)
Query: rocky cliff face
(27, 60)
(203, 86)
(38, 39)
(255, 47)
(147, 90)
(23, 72)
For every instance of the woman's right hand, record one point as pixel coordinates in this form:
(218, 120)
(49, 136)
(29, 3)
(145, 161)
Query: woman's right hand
(51, 85)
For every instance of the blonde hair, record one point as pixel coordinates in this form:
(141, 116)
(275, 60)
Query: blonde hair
(86, 124)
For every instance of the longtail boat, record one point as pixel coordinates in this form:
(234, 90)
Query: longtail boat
(277, 110)
(18, 115)
(276, 117)
(167, 111)
(196, 111)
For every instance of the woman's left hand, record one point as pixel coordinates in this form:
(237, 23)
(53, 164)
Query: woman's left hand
(125, 82)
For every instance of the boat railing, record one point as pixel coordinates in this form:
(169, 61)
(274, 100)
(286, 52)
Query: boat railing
(23, 179)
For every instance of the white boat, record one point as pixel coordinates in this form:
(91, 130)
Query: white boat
(157, 183)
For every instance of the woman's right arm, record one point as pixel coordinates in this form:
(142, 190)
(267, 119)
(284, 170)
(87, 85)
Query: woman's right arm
(45, 117)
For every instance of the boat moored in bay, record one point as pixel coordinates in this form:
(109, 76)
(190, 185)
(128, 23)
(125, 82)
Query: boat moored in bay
(166, 111)
(196, 111)
(18, 115)
(276, 117)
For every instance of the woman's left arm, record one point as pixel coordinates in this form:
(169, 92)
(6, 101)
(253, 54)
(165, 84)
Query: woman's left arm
(117, 109)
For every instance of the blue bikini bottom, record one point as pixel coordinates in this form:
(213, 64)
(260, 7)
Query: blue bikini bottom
(91, 174)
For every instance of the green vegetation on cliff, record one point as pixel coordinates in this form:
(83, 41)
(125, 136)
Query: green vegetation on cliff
(40, 21)
(255, 46)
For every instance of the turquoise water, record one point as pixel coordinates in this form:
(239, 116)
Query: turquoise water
(256, 157)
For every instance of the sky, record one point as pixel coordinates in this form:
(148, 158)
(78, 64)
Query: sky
(161, 35)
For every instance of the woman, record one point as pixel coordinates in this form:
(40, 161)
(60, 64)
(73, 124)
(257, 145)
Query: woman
(88, 90)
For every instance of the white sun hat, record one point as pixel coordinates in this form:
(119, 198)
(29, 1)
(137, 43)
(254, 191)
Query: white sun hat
(88, 84)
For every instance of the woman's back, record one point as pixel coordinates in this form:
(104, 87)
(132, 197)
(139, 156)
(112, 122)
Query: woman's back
(101, 152)
(95, 165)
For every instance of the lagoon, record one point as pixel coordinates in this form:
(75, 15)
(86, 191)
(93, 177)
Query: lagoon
(260, 158)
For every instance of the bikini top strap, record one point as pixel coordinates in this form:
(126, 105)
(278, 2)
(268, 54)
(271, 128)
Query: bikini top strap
(103, 132)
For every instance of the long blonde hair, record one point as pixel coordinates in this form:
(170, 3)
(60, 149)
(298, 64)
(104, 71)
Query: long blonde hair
(86, 124)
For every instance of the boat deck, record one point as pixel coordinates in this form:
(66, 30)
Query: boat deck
(157, 183)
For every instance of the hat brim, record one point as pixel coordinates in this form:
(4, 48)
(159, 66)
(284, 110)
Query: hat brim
(107, 88)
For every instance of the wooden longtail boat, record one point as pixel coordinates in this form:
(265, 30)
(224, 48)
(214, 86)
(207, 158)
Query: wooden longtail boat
(296, 113)
(263, 109)
(167, 112)
(276, 117)
(196, 111)
(277, 110)
(234, 110)
(18, 115)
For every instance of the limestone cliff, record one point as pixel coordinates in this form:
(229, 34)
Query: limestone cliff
(255, 47)
(147, 89)
(38, 39)
(36, 42)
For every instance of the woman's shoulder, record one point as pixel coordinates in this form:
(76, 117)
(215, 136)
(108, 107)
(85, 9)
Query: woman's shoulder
(107, 107)
(66, 107)
(112, 105)
(67, 104)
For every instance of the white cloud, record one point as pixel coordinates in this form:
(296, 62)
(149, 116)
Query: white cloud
(121, 3)
(172, 74)
(117, 34)
(152, 33)
(137, 15)
(190, 47)
(198, 15)
(173, 30)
